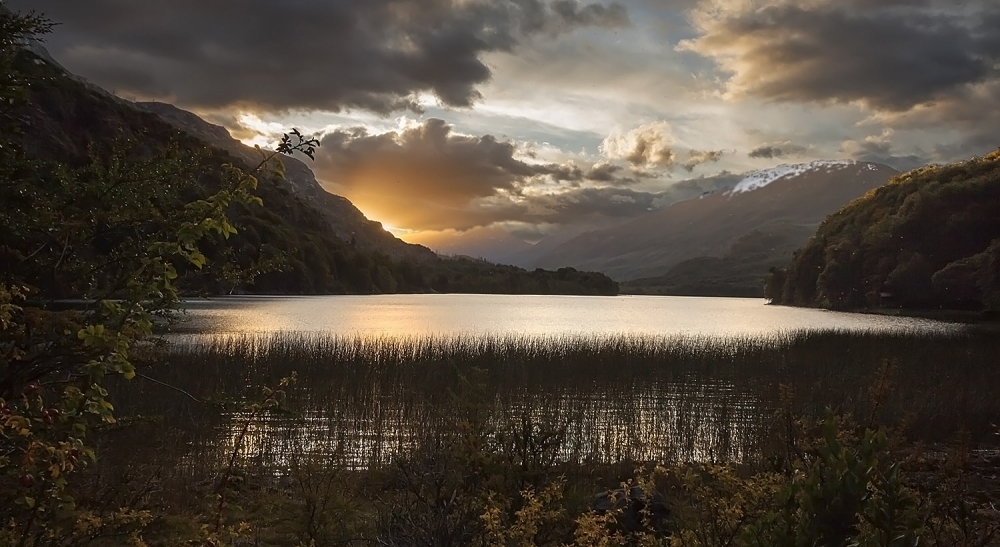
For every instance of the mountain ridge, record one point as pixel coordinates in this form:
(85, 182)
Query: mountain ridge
(708, 226)
(347, 221)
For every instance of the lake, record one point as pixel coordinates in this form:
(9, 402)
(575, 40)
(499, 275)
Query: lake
(549, 316)
(627, 378)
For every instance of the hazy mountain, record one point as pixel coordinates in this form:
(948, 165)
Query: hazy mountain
(528, 257)
(771, 212)
(489, 243)
(348, 223)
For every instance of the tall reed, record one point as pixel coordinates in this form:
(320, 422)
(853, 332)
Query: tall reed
(597, 399)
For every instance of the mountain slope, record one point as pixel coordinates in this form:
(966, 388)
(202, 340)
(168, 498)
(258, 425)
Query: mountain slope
(928, 239)
(786, 203)
(348, 223)
(739, 272)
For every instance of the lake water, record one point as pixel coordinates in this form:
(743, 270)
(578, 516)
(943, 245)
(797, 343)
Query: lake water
(699, 382)
(462, 314)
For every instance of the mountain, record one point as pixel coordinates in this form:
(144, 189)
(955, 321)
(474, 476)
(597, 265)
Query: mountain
(347, 221)
(757, 224)
(530, 256)
(739, 272)
(485, 242)
(929, 239)
(99, 174)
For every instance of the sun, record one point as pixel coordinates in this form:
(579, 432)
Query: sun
(396, 231)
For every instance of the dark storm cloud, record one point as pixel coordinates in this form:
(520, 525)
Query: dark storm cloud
(889, 55)
(777, 150)
(428, 177)
(280, 54)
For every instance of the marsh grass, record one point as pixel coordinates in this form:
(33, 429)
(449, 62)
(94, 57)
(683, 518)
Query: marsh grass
(599, 400)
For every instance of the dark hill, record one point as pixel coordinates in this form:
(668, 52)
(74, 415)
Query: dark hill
(348, 223)
(929, 239)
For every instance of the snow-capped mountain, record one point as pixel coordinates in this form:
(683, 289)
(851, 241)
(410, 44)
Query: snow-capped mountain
(760, 179)
(778, 208)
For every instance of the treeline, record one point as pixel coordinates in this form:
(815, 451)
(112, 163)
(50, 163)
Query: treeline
(929, 239)
(99, 179)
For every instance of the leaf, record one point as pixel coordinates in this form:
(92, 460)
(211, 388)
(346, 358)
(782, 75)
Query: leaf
(197, 259)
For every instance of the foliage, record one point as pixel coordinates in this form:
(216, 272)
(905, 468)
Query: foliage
(839, 494)
(929, 238)
(116, 230)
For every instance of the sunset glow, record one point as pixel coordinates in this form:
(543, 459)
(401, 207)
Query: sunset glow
(554, 123)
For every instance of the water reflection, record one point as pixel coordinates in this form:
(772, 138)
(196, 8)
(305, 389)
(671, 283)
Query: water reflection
(711, 421)
(498, 315)
(366, 398)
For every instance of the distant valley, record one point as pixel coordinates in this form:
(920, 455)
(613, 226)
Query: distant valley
(720, 243)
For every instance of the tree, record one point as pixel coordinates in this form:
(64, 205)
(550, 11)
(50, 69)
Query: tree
(114, 232)
(774, 284)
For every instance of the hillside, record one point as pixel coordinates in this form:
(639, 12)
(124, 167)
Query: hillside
(745, 231)
(347, 221)
(75, 137)
(739, 272)
(930, 239)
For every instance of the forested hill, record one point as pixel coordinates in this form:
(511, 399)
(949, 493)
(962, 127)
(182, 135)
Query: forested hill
(97, 179)
(929, 239)
(348, 223)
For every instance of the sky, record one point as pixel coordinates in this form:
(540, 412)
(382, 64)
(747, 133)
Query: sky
(540, 116)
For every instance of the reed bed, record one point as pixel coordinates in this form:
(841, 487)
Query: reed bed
(601, 400)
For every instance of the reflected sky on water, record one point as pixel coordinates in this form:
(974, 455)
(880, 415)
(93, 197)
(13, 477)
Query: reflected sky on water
(454, 314)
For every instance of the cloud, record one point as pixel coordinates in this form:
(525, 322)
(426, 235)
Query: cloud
(646, 145)
(886, 55)
(379, 55)
(427, 176)
(698, 157)
(652, 146)
(880, 149)
(594, 206)
(777, 150)
(973, 113)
